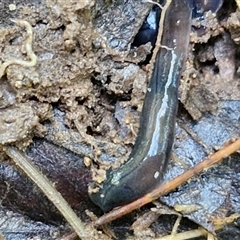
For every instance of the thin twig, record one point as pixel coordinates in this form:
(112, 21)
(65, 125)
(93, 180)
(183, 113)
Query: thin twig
(170, 185)
(159, 36)
(28, 47)
(191, 234)
(175, 226)
(49, 190)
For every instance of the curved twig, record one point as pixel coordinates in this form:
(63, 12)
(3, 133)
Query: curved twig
(28, 46)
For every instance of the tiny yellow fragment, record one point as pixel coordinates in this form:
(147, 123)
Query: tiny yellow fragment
(187, 208)
(87, 161)
(12, 7)
(238, 3)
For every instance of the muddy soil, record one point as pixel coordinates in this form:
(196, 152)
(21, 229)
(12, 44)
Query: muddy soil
(79, 107)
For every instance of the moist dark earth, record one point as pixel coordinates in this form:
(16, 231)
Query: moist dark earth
(80, 106)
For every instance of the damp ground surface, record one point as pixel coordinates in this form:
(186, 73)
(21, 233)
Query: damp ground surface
(79, 108)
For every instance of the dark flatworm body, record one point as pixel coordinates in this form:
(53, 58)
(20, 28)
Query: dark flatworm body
(150, 156)
(145, 167)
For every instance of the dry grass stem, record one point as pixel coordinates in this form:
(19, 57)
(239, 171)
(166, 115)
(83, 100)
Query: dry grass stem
(48, 189)
(170, 185)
